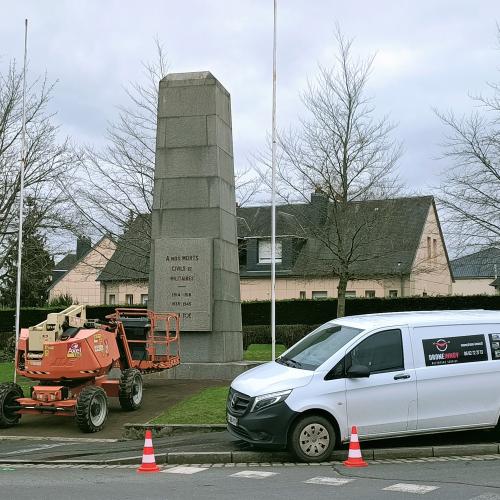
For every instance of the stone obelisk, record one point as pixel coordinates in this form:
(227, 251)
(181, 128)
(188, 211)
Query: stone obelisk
(194, 253)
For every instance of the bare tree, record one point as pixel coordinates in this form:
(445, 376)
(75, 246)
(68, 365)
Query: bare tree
(470, 190)
(47, 159)
(341, 151)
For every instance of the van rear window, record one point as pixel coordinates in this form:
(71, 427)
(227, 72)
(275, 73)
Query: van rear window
(452, 350)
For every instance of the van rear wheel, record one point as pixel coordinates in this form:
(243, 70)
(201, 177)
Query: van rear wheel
(312, 439)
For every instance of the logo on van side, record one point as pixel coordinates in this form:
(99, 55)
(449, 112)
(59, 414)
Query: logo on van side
(463, 349)
(441, 345)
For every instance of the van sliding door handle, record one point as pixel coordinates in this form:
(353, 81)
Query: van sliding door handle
(401, 376)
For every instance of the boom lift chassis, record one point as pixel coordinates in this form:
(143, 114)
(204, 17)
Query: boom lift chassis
(79, 363)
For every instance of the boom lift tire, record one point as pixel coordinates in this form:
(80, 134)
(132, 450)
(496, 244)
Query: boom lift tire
(9, 392)
(91, 409)
(130, 394)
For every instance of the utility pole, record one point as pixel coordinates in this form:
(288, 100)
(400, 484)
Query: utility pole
(273, 200)
(21, 199)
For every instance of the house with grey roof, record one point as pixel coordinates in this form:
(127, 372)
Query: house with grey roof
(83, 245)
(76, 274)
(401, 252)
(477, 273)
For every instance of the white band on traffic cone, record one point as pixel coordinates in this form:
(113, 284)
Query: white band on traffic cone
(148, 459)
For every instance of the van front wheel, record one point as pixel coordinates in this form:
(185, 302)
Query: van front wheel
(312, 439)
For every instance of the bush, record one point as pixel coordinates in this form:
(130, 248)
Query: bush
(31, 316)
(288, 312)
(63, 300)
(7, 347)
(287, 335)
(317, 312)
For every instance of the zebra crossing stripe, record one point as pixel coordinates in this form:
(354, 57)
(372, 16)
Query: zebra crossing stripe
(330, 481)
(254, 474)
(184, 470)
(419, 489)
(487, 496)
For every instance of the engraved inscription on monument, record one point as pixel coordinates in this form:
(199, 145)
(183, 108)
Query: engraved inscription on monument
(184, 282)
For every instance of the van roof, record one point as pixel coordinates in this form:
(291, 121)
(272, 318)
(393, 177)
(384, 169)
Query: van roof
(420, 318)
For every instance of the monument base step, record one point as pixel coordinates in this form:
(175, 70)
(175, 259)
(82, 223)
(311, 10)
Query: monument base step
(206, 371)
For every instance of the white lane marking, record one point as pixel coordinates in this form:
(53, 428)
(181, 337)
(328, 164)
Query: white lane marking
(420, 489)
(254, 474)
(39, 448)
(53, 438)
(185, 470)
(330, 481)
(487, 496)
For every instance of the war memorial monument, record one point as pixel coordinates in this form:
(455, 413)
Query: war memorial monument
(194, 252)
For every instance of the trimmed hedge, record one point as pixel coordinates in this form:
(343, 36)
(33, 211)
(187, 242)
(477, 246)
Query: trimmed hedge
(285, 334)
(31, 316)
(316, 312)
(289, 313)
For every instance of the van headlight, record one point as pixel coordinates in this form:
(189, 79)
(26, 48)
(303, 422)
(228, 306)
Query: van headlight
(269, 399)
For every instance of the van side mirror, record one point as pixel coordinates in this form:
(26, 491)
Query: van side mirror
(358, 371)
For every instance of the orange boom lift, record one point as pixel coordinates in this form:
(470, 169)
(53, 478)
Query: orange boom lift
(80, 363)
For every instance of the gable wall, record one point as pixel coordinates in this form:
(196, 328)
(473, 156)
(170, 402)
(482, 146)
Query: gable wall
(80, 282)
(473, 286)
(431, 275)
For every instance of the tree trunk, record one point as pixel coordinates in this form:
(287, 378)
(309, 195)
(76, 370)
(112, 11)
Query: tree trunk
(341, 296)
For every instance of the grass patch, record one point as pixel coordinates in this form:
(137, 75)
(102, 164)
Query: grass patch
(206, 407)
(209, 405)
(7, 375)
(262, 352)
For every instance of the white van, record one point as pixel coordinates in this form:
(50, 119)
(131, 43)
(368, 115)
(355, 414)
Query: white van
(393, 374)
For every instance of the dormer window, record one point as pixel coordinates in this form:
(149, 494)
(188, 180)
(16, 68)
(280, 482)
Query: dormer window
(265, 252)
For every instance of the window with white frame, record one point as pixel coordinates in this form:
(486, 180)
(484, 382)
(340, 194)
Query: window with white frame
(144, 299)
(265, 252)
(370, 294)
(319, 294)
(112, 300)
(393, 293)
(129, 299)
(350, 294)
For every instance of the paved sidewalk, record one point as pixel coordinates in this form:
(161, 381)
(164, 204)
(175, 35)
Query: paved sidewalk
(159, 395)
(219, 447)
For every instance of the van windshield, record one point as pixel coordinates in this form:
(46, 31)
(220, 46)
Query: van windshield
(314, 349)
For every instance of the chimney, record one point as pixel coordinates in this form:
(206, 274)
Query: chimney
(83, 245)
(319, 205)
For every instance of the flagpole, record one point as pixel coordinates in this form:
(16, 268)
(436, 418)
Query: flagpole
(21, 199)
(273, 200)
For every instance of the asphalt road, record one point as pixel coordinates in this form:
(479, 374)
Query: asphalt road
(447, 480)
(98, 448)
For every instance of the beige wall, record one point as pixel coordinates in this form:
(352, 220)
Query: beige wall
(290, 288)
(473, 287)
(120, 290)
(430, 272)
(80, 282)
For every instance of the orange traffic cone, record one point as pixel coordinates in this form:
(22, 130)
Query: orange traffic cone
(354, 458)
(148, 457)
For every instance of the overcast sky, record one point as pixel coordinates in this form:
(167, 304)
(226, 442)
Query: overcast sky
(430, 53)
